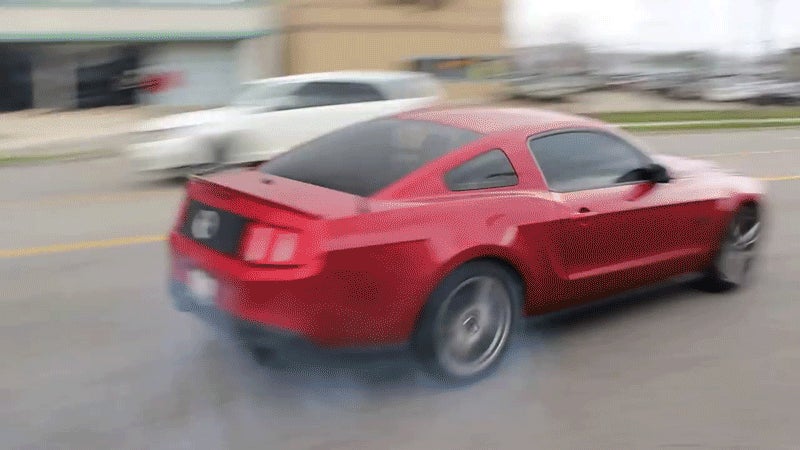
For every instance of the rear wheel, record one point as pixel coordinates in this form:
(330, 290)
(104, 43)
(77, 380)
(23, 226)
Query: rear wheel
(467, 324)
(268, 357)
(218, 152)
(733, 263)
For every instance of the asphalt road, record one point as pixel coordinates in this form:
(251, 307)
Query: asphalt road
(94, 357)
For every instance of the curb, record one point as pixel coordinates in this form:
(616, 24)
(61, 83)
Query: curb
(111, 144)
(72, 149)
(678, 123)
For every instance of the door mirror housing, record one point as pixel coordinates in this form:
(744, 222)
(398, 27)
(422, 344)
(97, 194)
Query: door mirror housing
(656, 173)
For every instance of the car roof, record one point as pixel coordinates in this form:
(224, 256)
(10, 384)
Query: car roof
(488, 120)
(365, 76)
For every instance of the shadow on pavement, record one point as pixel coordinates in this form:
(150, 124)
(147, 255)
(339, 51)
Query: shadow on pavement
(399, 371)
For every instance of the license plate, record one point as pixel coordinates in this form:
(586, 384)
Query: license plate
(203, 287)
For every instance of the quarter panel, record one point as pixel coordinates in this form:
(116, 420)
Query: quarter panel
(428, 181)
(516, 227)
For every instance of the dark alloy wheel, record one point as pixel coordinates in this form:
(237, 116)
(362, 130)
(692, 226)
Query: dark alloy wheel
(734, 260)
(467, 325)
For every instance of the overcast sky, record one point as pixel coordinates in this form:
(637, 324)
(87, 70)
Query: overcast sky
(726, 25)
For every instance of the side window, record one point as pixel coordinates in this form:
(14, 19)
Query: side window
(326, 93)
(265, 94)
(581, 160)
(412, 87)
(488, 170)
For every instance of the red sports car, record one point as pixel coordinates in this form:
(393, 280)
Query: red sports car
(438, 229)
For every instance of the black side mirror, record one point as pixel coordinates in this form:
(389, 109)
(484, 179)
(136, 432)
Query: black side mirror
(656, 173)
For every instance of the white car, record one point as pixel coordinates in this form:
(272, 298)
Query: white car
(551, 87)
(272, 116)
(732, 89)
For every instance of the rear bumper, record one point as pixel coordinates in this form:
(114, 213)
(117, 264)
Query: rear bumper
(168, 154)
(335, 310)
(262, 336)
(345, 301)
(247, 332)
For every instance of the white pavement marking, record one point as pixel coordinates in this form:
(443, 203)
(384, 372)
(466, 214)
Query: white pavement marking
(786, 120)
(747, 153)
(91, 198)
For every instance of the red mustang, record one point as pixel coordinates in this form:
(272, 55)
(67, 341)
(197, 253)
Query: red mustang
(438, 229)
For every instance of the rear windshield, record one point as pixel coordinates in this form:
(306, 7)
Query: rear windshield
(365, 158)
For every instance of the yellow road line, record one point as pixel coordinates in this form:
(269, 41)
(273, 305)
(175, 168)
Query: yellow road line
(758, 152)
(786, 178)
(133, 240)
(85, 245)
(69, 200)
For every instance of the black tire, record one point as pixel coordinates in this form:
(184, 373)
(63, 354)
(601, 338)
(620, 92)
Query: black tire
(268, 358)
(219, 150)
(455, 314)
(740, 243)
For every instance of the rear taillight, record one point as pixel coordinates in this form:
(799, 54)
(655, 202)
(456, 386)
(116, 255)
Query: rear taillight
(284, 248)
(256, 243)
(267, 245)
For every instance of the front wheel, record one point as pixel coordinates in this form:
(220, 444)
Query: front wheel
(734, 260)
(467, 324)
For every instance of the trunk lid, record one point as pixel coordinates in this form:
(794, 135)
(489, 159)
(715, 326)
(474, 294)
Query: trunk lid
(300, 198)
(247, 214)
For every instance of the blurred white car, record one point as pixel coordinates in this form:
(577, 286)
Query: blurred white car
(552, 87)
(733, 89)
(272, 116)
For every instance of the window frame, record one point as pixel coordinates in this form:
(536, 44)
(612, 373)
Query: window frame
(287, 87)
(452, 188)
(398, 88)
(641, 154)
(464, 137)
(303, 84)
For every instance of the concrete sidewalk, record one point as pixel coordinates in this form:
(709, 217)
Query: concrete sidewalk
(48, 133)
(786, 120)
(44, 133)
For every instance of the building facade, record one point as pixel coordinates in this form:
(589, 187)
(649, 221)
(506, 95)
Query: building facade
(324, 35)
(84, 53)
(88, 53)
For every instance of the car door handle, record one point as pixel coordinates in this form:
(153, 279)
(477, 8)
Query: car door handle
(583, 215)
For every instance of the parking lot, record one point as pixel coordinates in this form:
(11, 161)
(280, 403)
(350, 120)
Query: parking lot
(95, 356)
